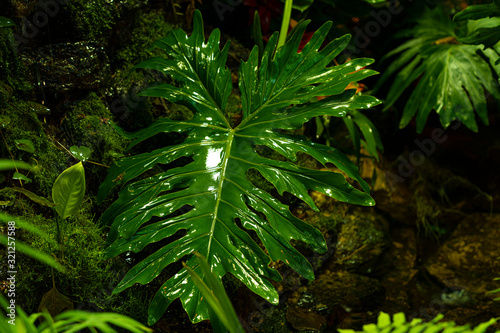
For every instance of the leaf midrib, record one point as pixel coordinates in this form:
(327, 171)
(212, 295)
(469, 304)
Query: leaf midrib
(225, 160)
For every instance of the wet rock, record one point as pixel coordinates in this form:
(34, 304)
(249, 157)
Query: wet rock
(66, 66)
(469, 258)
(361, 239)
(304, 319)
(352, 292)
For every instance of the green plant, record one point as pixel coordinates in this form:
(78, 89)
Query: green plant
(19, 223)
(6, 22)
(361, 132)
(23, 248)
(483, 23)
(203, 201)
(70, 321)
(218, 301)
(399, 324)
(67, 322)
(68, 190)
(451, 77)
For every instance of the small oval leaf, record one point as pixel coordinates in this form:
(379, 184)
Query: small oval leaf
(20, 176)
(82, 153)
(26, 145)
(4, 121)
(68, 190)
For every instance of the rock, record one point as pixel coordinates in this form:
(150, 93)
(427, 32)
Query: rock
(361, 239)
(67, 66)
(352, 292)
(399, 267)
(469, 258)
(304, 319)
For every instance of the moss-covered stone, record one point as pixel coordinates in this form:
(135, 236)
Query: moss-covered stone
(12, 71)
(89, 124)
(137, 46)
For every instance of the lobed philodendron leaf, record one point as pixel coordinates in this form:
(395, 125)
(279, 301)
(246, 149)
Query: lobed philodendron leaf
(452, 77)
(221, 208)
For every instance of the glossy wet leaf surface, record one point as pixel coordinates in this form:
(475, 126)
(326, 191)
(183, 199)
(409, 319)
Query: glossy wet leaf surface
(208, 196)
(82, 153)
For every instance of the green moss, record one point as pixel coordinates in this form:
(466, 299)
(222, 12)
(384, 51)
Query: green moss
(92, 18)
(89, 124)
(147, 28)
(89, 279)
(49, 160)
(12, 71)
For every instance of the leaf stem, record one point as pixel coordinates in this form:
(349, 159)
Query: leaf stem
(287, 13)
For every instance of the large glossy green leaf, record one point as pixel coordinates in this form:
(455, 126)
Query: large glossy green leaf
(209, 204)
(451, 78)
(68, 190)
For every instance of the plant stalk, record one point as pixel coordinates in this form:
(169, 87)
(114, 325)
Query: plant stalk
(287, 13)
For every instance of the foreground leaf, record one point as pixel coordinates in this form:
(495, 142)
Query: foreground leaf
(73, 321)
(399, 324)
(213, 291)
(208, 205)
